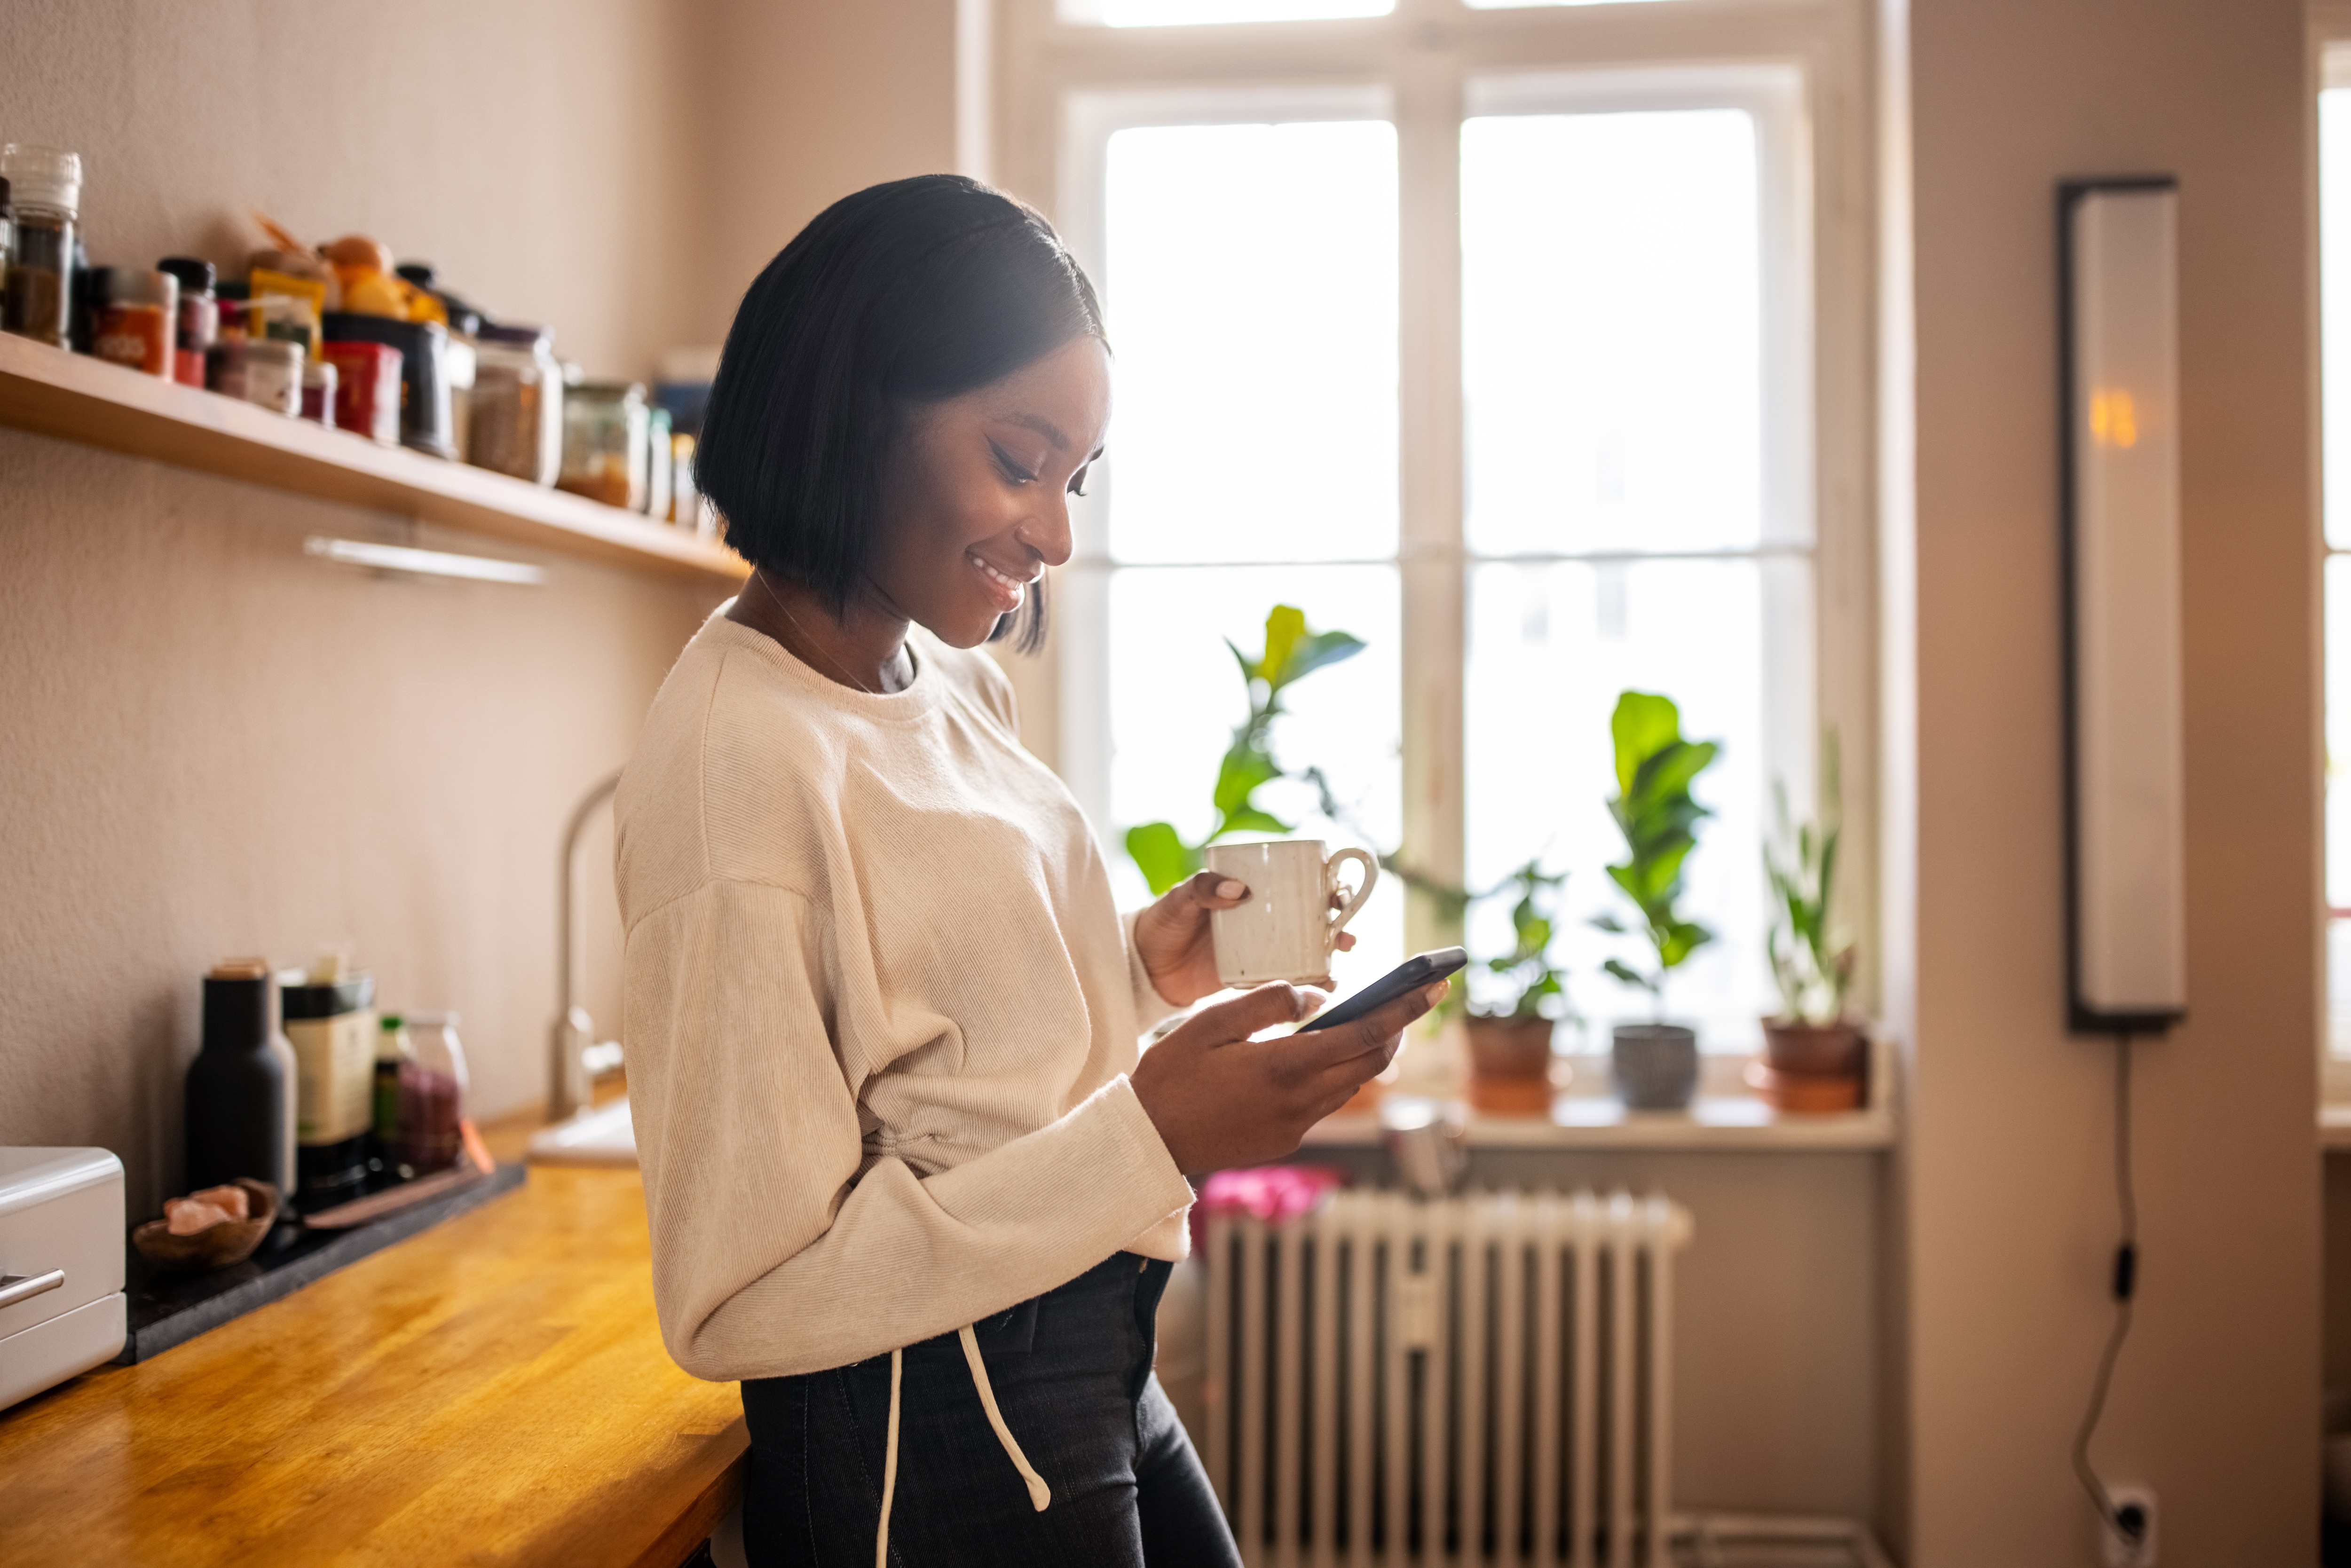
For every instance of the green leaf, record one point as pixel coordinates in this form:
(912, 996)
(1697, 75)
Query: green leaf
(1642, 723)
(1629, 976)
(1284, 625)
(1243, 770)
(1161, 855)
(1249, 819)
(1323, 648)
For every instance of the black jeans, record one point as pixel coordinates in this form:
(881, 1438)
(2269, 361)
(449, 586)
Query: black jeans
(1071, 1372)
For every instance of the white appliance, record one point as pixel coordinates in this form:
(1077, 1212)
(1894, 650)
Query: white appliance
(1498, 1365)
(61, 1239)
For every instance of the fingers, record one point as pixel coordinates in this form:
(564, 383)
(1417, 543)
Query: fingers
(1346, 941)
(1375, 1034)
(1275, 1002)
(1213, 890)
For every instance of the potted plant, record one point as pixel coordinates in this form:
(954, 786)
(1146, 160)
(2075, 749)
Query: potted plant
(1509, 1028)
(1656, 1064)
(1292, 653)
(1813, 1053)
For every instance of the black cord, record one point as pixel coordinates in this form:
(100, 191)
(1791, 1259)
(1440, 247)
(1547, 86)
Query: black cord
(2125, 1285)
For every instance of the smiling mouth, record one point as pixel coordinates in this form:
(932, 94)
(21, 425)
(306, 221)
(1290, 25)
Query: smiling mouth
(1009, 590)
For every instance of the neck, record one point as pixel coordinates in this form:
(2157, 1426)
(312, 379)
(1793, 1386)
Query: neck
(864, 647)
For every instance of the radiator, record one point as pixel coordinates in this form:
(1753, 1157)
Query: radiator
(1484, 1379)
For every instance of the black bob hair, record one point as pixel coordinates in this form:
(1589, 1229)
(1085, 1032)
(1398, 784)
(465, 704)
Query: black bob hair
(902, 295)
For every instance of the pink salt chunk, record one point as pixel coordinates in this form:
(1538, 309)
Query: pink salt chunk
(186, 1215)
(232, 1201)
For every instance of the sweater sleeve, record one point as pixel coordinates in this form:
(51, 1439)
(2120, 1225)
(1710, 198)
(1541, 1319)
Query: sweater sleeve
(778, 1248)
(1150, 1008)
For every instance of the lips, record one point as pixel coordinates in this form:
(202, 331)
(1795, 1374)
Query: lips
(1005, 589)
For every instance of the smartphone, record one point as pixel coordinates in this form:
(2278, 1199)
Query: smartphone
(1409, 976)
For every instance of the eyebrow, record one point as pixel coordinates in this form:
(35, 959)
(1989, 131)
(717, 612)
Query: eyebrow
(1042, 426)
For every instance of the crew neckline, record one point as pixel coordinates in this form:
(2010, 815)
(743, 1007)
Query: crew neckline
(918, 696)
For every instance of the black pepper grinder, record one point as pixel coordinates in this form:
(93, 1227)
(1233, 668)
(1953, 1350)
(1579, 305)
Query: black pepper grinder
(241, 1084)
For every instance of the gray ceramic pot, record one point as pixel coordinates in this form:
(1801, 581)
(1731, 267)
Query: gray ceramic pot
(1656, 1066)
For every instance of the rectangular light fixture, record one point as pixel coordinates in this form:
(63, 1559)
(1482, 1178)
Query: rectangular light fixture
(423, 562)
(2126, 876)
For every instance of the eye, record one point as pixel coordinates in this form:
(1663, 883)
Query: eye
(1011, 468)
(1078, 480)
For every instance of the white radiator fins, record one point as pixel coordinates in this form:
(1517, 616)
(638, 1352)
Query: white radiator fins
(1480, 1380)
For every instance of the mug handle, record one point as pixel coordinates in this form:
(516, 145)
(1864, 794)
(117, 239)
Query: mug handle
(1371, 874)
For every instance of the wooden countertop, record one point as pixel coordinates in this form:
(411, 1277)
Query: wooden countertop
(492, 1391)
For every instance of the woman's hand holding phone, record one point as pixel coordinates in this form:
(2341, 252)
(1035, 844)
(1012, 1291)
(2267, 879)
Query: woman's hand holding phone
(1221, 1098)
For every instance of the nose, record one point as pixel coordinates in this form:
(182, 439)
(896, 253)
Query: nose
(1047, 535)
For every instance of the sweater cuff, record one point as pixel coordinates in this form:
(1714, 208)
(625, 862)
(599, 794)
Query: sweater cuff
(1150, 1008)
(1168, 1192)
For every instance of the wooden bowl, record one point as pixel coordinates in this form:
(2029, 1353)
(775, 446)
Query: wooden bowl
(215, 1247)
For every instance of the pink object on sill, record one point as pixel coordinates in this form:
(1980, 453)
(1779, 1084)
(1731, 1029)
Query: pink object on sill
(1263, 1192)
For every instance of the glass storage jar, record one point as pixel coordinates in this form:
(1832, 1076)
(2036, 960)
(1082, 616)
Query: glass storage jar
(605, 428)
(517, 413)
(45, 206)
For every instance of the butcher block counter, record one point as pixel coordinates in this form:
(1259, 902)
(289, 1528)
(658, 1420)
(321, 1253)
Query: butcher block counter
(492, 1391)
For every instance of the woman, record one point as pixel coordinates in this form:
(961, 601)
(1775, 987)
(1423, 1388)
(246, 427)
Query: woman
(907, 1178)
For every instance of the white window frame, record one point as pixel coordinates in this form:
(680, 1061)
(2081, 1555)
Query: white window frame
(1060, 87)
(2329, 57)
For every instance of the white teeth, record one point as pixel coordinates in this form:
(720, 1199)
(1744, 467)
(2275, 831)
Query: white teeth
(1013, 583)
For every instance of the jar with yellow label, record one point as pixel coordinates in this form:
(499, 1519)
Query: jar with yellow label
(329, 1017)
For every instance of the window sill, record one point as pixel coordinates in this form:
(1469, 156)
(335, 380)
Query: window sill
(2334, 1126)
(1725, 1117)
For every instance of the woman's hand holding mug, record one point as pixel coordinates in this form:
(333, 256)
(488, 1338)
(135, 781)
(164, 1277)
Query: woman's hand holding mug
(1176, 939)
(1221, 1098)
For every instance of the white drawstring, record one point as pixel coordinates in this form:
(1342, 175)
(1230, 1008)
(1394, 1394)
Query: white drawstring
(1039, 1494)
(889, 1466)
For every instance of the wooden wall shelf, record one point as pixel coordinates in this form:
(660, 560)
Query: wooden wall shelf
(74, 397)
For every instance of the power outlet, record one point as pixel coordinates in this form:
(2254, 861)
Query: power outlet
(2134, 1546)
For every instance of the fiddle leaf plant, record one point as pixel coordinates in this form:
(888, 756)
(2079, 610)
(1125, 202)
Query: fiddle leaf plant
(1812, 959)
(1292, 652)
(1655, 810)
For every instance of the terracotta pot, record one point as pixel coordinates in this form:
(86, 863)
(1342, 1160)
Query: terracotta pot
(1814, 1049)
(1656, 1065)
(1512, 1069)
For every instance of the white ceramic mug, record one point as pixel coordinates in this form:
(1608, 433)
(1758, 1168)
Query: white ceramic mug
(1288, 930)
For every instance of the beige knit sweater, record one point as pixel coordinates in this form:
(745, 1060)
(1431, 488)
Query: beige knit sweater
(880, 1011)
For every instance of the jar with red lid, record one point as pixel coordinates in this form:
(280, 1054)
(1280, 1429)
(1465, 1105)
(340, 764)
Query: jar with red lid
(134, 318)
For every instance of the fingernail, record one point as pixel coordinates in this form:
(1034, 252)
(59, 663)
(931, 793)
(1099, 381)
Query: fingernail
(1228, 888)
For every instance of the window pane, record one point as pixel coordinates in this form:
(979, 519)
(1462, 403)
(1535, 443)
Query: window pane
(1182, 13)
(2335, 307)
(1176, 694)
(1549, 648)
(1523, 5)
(1611, 332)
(1251, 289)
(2338, 731)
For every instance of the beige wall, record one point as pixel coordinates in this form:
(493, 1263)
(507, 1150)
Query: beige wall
(2010, 1209)
(216, 746)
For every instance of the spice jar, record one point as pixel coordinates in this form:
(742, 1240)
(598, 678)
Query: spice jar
(605, 431)
(432, 1093)
(367, 389)
(266, 370)
(318, 392)
(198, 317)
(45, 206)
(135, 317)
(684, 498)
(517, 414)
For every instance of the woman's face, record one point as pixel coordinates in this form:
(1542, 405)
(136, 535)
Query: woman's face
(977, 503)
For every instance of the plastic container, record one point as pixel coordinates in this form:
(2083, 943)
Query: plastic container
(367, 389)
(518, 403)
(135, 317)
(425, 415)
(658, 458)
(240, 1088)
(262, 370)
(432, 1095)
(331, 1021)
(199, 319)
(604, 433)
(44, 207)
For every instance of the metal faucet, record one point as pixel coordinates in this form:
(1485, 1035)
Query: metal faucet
(573, 1063)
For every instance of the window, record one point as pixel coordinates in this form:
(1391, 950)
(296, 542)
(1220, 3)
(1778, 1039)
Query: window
(2334, 318)
(1459, 337)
